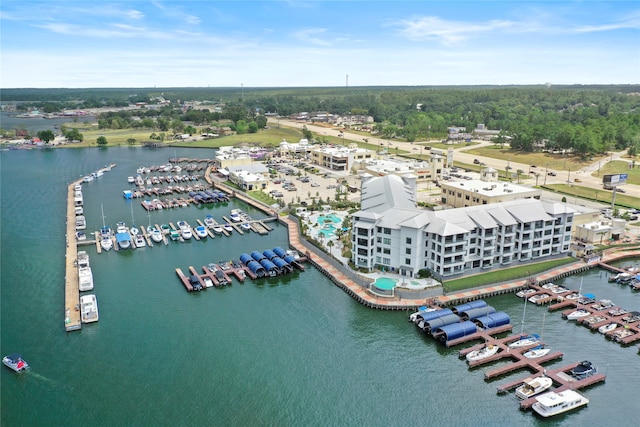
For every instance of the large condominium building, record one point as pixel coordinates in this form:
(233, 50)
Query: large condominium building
(390, 232)
(340, 159)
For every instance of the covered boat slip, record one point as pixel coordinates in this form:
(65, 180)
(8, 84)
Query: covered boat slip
(455, 330)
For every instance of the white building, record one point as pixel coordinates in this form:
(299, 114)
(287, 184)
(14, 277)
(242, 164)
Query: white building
(340, 158)
(423, 170)
(391, 232)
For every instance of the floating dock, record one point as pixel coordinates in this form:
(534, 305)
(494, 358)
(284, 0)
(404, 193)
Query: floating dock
(71, 291)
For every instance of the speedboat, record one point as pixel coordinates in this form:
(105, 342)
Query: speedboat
(185, 229)
(140, 241)
(217, 229)
(81, 236)
(156, 235)
(235, 215)
(201, 231)
(122, 236)
(15, 362)
(88, 308)
(532, 386)
(131, 180)
(81, 222)
(85, 276)
(87, 178)
(552, 403)
(577, 314)
(174, 234)
(525, 340)
(536, 298)
(106, 243)
(607, 328)
(536, 352)
(523, 293)
(245, 226)
(574, 295)
(583, 370)
(227, 228)
(209, 221)
(482, 353)
(207, 282)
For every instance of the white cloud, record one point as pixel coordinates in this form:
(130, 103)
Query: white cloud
(310, 35)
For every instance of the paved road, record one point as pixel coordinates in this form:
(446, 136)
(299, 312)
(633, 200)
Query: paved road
(561, 177)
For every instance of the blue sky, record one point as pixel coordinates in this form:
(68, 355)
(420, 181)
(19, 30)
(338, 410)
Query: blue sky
(317, 43)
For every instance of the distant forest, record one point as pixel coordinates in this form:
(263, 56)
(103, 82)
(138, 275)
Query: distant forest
(587, 119)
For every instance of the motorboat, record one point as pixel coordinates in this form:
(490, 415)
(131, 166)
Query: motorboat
(201, 231)
(207, 282)
(536, 352)
(131, 180)
(583, 370)
(537, 298)
(620, 333)
(532, 386)
(227, 228)
(87, 178)
(552, 403)
(603, 304)
(174, 235)
(217, 229)
(88, 308)
(81, 222)
(106, 243)
(165, 228)
(156, 235)
(235, 215)
(607, 328)
(525, 292)
(574, 295)
(209, 221)
(185, 229)
(79, 210)
(15, 362)
(525, 340)
(81, 236)
(85, 276)
(245, 226)
(139, 241)
(122, 236)
(482, 353)
(577, 314)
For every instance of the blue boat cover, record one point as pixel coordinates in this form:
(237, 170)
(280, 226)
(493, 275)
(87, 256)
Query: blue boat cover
(279, 251)
(469, 305)
(493, 320)
(476, 312)
(257, 255)
(245, 258)
(268, 265)
(269, 254)
(439, 322)
(458, 330)
(434, 314)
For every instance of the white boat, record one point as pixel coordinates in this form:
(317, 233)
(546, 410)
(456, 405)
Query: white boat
(532, 386)
(81, 236)
(413, 317)
(209, 221)
(131, 180)
(85, 276)
(607, 328)
(77, 187)
(15, 362)
(536, 352)
(534, 299)
(235, 215)
(122, 236)
(106, 243)
(156, 235)
(217, 229)
(525, 340)
(81, 222)
(79, 210)
(552, 403)
(139, 241)
(482, 353)
(88, 308)
(245, 226)
(185, 229)
(577, 314)
(525, 292)
(227, 228)
(201, 231)
(105, 234)
(87, 178)
(207, 282)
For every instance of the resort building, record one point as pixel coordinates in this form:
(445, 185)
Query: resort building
(484, 191)
(423, 170)
(340, 159)
(292, 148)
(391, 232)
(233, 156)
(248, 177)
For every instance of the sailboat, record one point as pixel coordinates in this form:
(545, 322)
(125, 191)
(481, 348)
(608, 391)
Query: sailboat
(524, 340)
(105, 234)
(133, 230)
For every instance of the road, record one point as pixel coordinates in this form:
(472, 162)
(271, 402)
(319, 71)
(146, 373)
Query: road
(561, 177)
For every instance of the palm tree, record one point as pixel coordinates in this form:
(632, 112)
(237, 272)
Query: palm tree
(330, 244)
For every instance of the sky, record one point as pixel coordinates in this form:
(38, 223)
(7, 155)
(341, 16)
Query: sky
(96, 43)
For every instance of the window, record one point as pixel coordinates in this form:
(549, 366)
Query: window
(408, 240)
(407, 251)
(386, 241)
(407, 261)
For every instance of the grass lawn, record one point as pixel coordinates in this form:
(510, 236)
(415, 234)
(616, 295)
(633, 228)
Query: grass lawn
(577, 191)
(508, 274)
(541, 160)
(619, 166)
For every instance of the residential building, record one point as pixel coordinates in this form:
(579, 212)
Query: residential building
(391, 232)
(340, 159)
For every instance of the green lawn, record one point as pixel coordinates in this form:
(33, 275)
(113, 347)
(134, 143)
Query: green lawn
(600, 195)
(619, 166)
(504, 275)
(541, 160)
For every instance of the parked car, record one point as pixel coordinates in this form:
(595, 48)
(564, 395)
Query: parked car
(315, 184)
(551, 173)
(476, 161)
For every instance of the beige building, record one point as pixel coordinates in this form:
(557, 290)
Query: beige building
(423, 171)
(340, 159)
(485, 191)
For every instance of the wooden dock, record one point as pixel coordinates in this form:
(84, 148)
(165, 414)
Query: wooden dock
(184, 279)
(71, 291)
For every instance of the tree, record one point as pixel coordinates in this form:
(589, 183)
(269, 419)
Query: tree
(241, 127)
(74, 135)
(131, 141)
(306, 133)
(46, 135)
(261, 121)
(252, 127)
(101, 140)
(330, 244)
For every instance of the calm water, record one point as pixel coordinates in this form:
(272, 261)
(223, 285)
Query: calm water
(293, 351)
(11, 122)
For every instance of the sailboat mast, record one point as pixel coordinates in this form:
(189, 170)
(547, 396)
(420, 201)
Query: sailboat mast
(524, 311)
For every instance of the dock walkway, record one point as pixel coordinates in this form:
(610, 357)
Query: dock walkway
(71, 291)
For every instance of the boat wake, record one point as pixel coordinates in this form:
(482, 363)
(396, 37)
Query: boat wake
(54, 383)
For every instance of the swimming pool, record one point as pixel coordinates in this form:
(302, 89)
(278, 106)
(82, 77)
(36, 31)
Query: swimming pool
(385, 283)
(323, 219)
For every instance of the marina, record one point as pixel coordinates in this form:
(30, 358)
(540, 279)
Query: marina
(347, 334)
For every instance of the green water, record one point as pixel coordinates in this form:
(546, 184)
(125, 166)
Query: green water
(293, 351)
